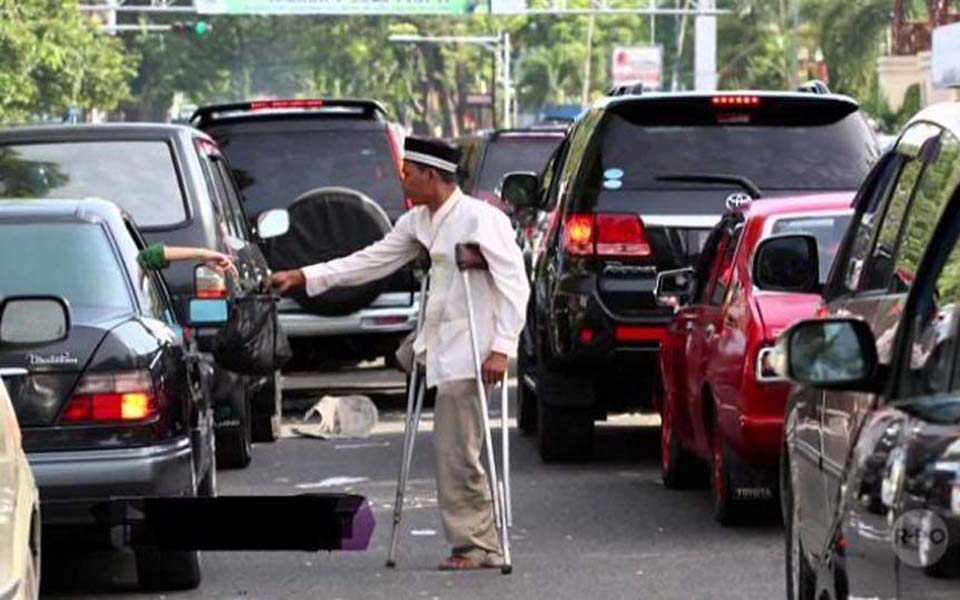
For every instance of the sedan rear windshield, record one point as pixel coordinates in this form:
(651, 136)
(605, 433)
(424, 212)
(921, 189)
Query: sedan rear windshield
(139, 176)
(274, 169)
(810, 146)
(507, 154)
(828, 229)
(74, 261)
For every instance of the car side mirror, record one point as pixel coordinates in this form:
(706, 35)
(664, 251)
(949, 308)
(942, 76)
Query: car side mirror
(787, 263)
(204, 312)
(273, 223)
(674, 287)
(521, 190)
(838, 354)
(26, 320)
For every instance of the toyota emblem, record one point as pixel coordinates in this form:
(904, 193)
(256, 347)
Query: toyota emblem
(738, 200)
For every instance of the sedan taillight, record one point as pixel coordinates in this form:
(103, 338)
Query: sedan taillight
(121, 397)
(607, 235)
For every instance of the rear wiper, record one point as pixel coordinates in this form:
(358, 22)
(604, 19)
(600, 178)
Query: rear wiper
(744, 183)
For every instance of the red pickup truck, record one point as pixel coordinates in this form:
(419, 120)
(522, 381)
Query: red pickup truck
(722, 405)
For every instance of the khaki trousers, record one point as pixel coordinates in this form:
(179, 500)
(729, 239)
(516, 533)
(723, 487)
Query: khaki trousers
(463, 491)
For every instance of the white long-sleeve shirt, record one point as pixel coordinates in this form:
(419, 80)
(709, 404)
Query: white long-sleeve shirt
(499, 294)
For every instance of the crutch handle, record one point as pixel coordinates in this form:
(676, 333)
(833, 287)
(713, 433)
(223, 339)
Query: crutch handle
(469, 257)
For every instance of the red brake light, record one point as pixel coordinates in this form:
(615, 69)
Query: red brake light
(112, 398)
(735, 101)
(621, 235)
(208, 283)
(293, 103)
(578, 234)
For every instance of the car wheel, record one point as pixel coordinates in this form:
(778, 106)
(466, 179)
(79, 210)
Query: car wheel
(564, 433)
(526, 398)
(265, 425)
(677, 467)
(800, 580)
(234, 448)
(159, 570)
(725, 507)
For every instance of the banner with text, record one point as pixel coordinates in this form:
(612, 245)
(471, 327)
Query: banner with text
(637, 64)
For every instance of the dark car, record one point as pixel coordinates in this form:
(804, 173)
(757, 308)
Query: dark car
(869, 475)
(335, 165)
(179, 190)
(486, 157)
(635, 189)
(117, 407)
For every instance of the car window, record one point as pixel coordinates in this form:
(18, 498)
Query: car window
(828, 229)
(881, 263)
(215, 189)
(514, 153)
(725, 267)
(231, 201)
(139, 176)
(870, 206)
(75, 261)
(931, 196)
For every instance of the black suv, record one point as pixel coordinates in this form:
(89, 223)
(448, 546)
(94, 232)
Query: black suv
(179, 190)
(871, 461)
(634, 190)
(335, 164)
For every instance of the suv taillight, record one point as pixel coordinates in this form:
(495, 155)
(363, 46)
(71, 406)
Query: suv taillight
(609, 235)
(208, 283)
(121, 397)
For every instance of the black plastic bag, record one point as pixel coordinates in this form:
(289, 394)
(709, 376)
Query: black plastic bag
(252, 342)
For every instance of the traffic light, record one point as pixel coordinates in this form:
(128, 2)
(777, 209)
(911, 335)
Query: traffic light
(198, 28)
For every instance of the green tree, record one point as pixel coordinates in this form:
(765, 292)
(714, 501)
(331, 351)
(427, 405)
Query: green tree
(52, 57)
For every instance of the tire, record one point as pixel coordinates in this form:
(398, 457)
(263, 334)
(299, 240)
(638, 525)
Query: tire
(233, 444)
(726, 510)
(159, 570)
(677, 467)
(564, 417)
(801, 583)
(526, 397)
(265, 426)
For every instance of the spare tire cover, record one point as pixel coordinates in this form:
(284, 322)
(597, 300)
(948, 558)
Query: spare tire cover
(328, 223)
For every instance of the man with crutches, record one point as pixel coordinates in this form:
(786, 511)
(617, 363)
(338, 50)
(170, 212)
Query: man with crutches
(442, 218)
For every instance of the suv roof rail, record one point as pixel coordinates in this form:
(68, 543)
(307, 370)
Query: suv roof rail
(814, 86)
(206, 114)
(550, 130)
(635, 89)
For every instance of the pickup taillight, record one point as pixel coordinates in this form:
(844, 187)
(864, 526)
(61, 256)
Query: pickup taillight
(607, 235)
(121, 397)
(208, 283)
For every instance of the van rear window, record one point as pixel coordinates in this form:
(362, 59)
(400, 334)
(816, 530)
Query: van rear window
(139, 176)
(810, 146)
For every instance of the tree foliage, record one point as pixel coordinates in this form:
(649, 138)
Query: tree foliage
(52, 58)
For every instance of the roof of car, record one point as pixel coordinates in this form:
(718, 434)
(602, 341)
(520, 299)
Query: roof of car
(95, 131)
(608, 101)
(799, 204)
(946, 114)
(80, 210)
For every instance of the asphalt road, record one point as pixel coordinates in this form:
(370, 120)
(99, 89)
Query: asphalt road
(607, 529)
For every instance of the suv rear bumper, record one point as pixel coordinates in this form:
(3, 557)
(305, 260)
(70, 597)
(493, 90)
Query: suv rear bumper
(72, 483)
(391, 312)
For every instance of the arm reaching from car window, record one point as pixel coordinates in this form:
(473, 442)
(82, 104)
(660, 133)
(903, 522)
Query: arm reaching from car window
(159, 256)
(397, 248)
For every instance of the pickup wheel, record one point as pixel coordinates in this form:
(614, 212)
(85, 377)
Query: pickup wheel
(726, 509)
(677, 467)
(526, 397)
(233, 444)
(266, 419)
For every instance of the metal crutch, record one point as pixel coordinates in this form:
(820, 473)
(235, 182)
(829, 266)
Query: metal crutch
(469, 258)
(415, 392)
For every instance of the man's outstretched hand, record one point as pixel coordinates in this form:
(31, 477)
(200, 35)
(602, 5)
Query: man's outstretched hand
(494, 367)
(283, 282)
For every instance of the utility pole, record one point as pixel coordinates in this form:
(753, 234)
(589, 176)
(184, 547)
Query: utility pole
(705, 44)
(794, 19)
(585, 89)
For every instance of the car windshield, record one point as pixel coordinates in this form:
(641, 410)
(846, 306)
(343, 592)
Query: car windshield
(828, 229)
(274, 169)
(514, 153)
(74, 261)
(139, 176)
(801, 155)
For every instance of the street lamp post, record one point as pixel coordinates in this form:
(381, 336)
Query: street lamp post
(499, 45)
